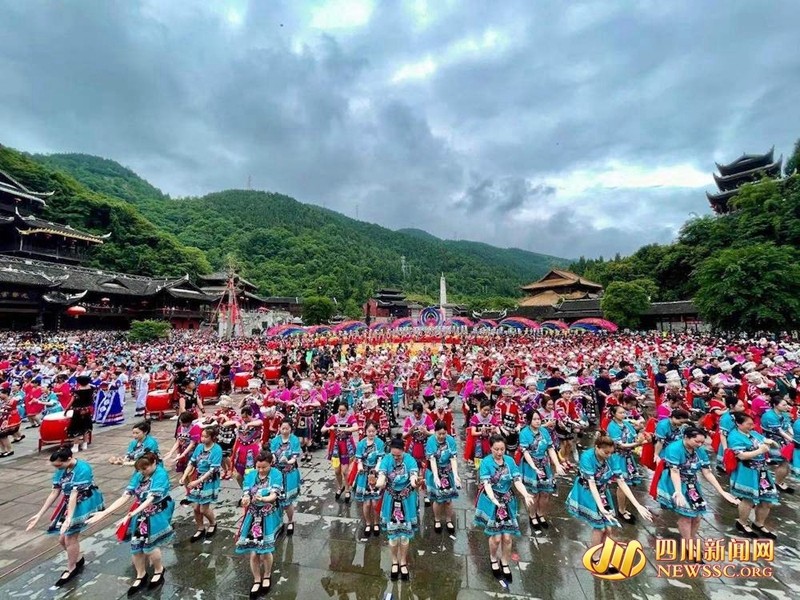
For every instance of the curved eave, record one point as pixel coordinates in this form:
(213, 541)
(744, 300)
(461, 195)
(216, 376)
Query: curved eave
(728, 182)
(751, 161)
(67, 234)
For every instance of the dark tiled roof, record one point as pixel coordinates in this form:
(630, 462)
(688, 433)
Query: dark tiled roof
(681, 307)
(78, 279)
(31, 224)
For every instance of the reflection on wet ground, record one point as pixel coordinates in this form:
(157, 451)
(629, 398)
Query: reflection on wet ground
(326, 559)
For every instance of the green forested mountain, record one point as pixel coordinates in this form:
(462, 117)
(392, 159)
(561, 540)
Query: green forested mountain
(290, 248)
(742, 269)
(136, 244)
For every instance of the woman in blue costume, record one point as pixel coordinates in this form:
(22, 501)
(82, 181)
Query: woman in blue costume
(590, 497)
(539, 458)
(397, 475)
(141, 443)
(369, 453)
(679, 486)
(148, 525)
(777, 426)
(496, 509)
(286, 451)
(796, 441)
(109, 405)
(78, 499)
(206, 464)
(733, 405)
(442, 481)
(668, 430)
(626, 438)
(752, 482)
(263, 489)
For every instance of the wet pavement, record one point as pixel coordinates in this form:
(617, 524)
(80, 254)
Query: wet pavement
(326, 559)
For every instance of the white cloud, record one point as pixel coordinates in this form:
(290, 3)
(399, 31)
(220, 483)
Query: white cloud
(618, 175)
(341, 14)
(418, 70)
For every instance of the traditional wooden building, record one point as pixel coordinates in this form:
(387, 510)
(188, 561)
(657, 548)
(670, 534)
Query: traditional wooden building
(389, 304)
(556, 287)
(745, 169)
(662, 316)
(41, 276)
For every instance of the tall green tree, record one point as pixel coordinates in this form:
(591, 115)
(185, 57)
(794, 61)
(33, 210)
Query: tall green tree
(624, 302)
(792, 165)
(317, 310)
(753, 288)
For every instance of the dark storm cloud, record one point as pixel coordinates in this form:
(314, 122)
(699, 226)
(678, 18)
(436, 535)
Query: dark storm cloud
(506, 195)
(569, 128)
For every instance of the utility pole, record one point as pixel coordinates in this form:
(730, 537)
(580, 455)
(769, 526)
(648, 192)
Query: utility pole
(249, 182)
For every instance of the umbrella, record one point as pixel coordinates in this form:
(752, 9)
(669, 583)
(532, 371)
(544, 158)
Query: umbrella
(555, 325)
(404, 322)
(519, 323)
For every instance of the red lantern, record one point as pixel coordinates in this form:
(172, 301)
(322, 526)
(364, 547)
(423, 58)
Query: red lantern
(76, 311)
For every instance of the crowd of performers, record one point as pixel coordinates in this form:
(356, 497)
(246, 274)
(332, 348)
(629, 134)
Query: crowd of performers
(600, 410)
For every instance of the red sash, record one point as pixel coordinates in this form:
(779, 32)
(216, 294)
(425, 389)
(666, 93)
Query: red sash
(656, 476)
(122, 530)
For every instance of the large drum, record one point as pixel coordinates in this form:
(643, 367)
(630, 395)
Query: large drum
(272, 372)
(158, 384)
(208, 389)
(13, 422)
(160, 402)
(241, 380)
(53, 430)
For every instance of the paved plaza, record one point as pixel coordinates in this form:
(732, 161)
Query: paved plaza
(326, 559)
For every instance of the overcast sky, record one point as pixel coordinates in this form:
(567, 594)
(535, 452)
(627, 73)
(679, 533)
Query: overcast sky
(562, 127)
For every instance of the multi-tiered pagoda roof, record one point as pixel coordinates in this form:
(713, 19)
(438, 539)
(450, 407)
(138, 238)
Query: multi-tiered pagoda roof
(745, 169)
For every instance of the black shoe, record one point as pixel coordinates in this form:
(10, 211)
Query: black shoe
(66, 577)
(19, 439)
(157, 580)
(376, 530)
(427, 501)
(198, 535)
(437, 527)
(506, 573)
(211, 531)
(347, 497)
(786, 489)
(138, 584)
(496, 570)
(451, 529)
(764, 532)
(366, 532)
(394, 573)
(338, 494)
(255, 590)
(536, 525)
(542, 523)
(745, 530)
(404, 576)
(625, 516)
(81, 563)
(185, 502)
(266, 584)
(290, 529)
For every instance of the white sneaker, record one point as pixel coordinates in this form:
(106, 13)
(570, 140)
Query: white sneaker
(175, 418)
(75, 449)
(84, 446)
